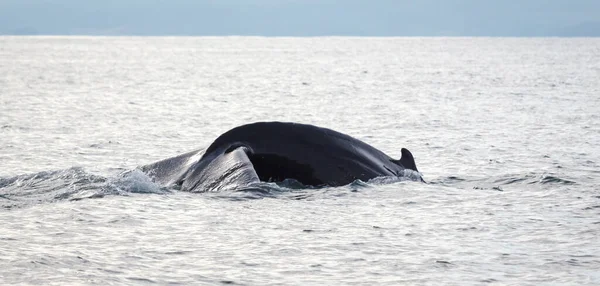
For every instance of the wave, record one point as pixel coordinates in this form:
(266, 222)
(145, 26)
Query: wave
(71, 184)
(75, 184)
(499, 183)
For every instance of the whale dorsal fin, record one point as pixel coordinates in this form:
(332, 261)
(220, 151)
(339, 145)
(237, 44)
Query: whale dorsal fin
(407, 160)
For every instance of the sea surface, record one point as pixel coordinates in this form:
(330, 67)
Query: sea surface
(506, 132)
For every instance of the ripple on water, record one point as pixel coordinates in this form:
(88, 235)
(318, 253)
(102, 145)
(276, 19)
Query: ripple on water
(482, 116)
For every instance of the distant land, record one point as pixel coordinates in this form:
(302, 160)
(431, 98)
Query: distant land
(494, 18)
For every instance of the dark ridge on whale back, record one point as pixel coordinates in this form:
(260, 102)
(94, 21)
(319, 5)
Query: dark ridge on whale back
(256, 130)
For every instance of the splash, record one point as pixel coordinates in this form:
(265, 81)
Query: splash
(76, 184)
(69, 185)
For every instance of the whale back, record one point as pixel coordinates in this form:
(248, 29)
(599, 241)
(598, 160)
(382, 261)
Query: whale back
(275, 151)
(309, 154)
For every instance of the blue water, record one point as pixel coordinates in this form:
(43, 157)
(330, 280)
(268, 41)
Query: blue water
(506, 132)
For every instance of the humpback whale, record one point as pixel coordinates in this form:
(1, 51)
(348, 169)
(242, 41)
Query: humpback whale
(276, 151)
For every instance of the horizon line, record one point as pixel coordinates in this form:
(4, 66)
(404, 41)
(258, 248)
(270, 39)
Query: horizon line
(283, 36)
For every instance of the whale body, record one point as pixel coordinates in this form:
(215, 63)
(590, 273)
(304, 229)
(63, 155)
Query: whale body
(276, 151)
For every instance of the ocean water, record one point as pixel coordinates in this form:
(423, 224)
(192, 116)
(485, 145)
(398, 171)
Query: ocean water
(506, 131)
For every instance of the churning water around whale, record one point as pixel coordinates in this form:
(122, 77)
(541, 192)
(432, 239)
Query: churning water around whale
(505, 131)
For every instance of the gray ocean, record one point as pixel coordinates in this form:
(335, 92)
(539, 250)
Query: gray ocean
(506, 132)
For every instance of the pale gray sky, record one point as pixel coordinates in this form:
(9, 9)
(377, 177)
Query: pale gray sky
(302, 17)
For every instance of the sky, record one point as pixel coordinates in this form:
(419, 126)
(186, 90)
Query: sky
(302, 17)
